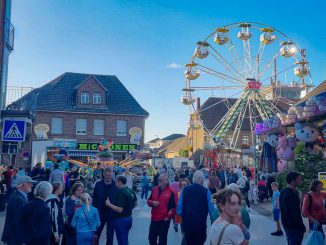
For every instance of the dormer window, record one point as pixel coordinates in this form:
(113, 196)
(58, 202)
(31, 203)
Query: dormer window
(97, 99)
(84, 98)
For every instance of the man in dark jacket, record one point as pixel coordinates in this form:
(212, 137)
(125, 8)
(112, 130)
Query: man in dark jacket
(163, 201)
(36, 219)
(194, 205)
(12, 231)
(103, 190)
(291, 211)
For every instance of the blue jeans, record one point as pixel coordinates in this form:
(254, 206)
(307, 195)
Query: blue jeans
(122, 227)
(294, 237)
(109, 221)
(144, 191)
(84, 238)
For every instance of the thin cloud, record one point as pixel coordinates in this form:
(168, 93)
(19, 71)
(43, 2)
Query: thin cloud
(173, 66)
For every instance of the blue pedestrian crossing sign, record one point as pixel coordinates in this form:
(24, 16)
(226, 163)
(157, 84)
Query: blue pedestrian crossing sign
(14, 130)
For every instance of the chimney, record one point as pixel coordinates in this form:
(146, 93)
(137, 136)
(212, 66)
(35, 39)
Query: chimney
(198, 103)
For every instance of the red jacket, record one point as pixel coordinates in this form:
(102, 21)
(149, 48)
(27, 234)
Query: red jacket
(167, 199)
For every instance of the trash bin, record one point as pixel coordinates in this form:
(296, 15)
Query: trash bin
(2, 202)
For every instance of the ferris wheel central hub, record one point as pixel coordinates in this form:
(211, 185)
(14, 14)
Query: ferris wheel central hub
(253, 84)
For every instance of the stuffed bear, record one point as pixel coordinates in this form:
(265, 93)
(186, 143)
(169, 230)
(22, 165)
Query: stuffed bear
(272, 140)
(307, 133)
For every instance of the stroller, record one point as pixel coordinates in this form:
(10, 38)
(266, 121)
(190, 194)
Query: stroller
(262, 193)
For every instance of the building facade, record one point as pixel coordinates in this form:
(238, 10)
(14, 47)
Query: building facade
(75, 111)
(6, 47)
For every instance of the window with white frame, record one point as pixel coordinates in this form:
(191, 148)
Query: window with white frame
(81, 126)
(84, 98)
(97, 99)
(56, 125)
(121, 128)
(245, 140)
(98, 127)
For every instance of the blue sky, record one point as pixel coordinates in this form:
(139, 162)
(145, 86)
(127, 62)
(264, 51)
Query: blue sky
(137, 40)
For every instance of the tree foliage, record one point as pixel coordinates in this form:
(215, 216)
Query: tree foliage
(309, 165)
(183, 153)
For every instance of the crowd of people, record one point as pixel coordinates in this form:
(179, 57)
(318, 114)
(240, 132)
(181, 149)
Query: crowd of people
(73, 207)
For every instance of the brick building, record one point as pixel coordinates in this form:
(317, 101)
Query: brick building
(75, 111)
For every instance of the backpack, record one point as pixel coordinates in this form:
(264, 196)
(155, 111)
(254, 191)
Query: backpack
(310, 204)
(247, 186)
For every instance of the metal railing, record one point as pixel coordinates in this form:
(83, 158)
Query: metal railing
(14, 93)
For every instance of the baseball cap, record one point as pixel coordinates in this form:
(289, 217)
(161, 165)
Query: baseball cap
(24, 179)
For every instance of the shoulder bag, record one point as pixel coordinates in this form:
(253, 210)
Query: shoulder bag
(95, 236)
(222, 233)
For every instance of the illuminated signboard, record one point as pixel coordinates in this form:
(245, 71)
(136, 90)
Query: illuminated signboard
(114, 147)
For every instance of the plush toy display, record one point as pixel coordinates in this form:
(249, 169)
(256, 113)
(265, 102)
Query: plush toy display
(321, 102)
(292, 116)
(272, 140)
(281, 166)
(311, 108)
(308, 134)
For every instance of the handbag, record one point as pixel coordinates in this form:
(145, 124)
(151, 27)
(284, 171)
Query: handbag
(95, 237)
(222, 233)
(315, 237)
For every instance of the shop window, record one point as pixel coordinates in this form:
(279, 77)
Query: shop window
(81, 126)
(84, 98)
(97, 99)
(121, 128)
(56, 125)
(98, 127)
(245, 140)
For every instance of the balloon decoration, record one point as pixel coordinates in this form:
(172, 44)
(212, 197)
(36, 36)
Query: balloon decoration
(267, 125)
(104, 149)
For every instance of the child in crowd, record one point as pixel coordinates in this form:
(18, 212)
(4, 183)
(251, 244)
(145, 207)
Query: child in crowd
(276, 209)
(253, 193)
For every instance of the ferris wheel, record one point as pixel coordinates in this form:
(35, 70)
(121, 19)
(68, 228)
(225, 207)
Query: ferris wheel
(248, 68)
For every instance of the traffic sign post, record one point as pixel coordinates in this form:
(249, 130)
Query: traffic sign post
(14, 130)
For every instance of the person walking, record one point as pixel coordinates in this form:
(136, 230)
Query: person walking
(12, 230)
(54, 204)
(36, 219)
(144, 186)
(130, 179)
(98, 172)
(194, 205)
(126, 201)
(71, 205)
(163, 201)
(233, 177)
(313, 206)
(223, 230)
(290, 210)
(155, 178)
(214, 182)
(56, 175)
(103, 190)
(86, 220)
(221, 174)
(244, 186)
